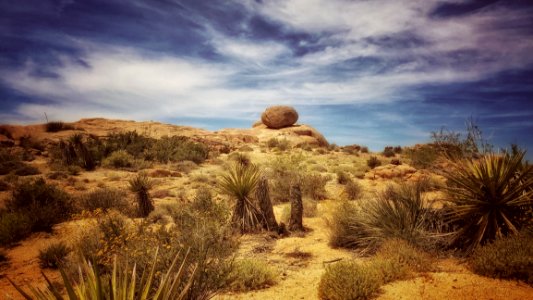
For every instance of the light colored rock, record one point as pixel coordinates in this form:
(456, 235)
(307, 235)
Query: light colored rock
(279, 116)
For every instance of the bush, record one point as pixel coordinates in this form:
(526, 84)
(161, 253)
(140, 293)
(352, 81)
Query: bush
(45, 204)
(56, 126)
(314, 186)
(506, 258)
(119, 159)
(398, 149)
(406, 256)
(284, 171)
(348, 280)
(281, 144)
(105, 199)
(251, 274)
(364, 149)
(240, 158)
(78, 150)
(353, 190)
(396, 213)
(30, 142)
(373, 162)
(423, 156)
(4, 186)
(389, 151)
(490, 197)
(130, 141)
(3, 257)
(54, 255)
(177, 148)
(27, 170)
(14, 226)
(9, 161)
(343, 177)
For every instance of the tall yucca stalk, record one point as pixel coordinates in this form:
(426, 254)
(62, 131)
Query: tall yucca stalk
(490, 197)
(141, 185)
(240, 182)
(123, 284)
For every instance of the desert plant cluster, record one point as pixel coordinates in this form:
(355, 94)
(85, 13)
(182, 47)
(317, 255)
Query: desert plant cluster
(177, 217)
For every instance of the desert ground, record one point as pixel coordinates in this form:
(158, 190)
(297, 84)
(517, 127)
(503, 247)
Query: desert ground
(297, 259)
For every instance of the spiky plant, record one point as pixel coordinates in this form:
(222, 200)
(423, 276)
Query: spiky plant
(123, 284)
(240, 182)
(490, 197)
(141, 186)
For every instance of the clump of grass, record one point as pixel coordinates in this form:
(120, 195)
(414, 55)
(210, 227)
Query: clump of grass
(353, 190)
(251, 274)
(349, 280)
(506, 258)
(343, 177)
(398, 212)
(53, 255)
(56, 126)
(373, 162)
(141, 186)
(240, 158)
(406, 256)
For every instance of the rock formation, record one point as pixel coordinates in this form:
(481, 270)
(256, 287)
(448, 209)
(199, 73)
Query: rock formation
(279, 117)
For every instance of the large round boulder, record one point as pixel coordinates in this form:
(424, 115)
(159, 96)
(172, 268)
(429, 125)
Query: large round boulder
(279, 117)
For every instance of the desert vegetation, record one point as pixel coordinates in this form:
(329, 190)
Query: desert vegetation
(167, 216)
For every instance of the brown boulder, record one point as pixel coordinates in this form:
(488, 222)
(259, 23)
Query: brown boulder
(279, 116)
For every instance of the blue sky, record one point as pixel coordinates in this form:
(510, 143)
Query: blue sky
(368, 72)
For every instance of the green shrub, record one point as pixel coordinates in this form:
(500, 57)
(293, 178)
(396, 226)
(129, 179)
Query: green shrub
(177, 148)
(423, 156)
(14, 226)
(46, 204)
(490, 197)
(284, 171)
(506, 258)
(251, 274)
(119, 159)
(132, 142)
(353, 190)
(78, 150)
(53, 255)
(348, 280)
(105, 199)
(373, 162)
(398, 212)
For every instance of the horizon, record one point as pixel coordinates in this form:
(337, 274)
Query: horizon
(373, 73)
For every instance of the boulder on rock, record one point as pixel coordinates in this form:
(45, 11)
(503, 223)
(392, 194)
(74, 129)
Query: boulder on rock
(279, 117)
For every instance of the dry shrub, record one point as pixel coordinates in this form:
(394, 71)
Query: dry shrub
(14, 226)
(349, 280)
(251, 274)
(406, 256)
(314, 186)
(54, 255)
(506, 258)
(343, 177)
(106, 199)
(353, 190)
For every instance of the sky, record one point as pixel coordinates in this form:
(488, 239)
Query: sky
(375, 73)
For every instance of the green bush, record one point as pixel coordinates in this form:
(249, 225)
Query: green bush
(130, 141)
(489, 197)
(46, 204)
(506, 258)
(78, 150)
(373, 162)
(423, 156)
(53, 255)
(177, 148)
(251, 274)
(105, 199)
(14, 226)
(119, 159)
(348, 280)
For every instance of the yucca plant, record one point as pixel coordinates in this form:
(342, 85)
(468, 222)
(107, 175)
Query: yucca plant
(490, 197)
(123, 284)
(141, 185)
(240, 182)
